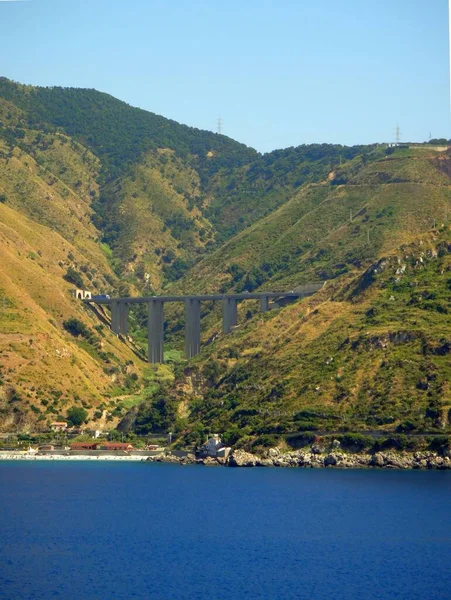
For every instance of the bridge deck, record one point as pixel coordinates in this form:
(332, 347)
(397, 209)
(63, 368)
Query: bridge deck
(307, 290)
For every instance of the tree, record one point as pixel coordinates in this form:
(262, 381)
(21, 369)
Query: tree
(73, 276)
(76, 328)
(158, 415)
(76, 415)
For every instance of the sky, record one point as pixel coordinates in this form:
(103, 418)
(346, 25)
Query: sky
(279, 72)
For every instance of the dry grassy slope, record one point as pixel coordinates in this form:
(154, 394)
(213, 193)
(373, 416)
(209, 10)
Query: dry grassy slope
(368, 352)
(394, 199)
(156, 210)
(51, 179)
(45, 228)
(39, 360)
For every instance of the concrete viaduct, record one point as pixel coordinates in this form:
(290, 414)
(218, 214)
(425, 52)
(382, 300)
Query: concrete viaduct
(155, 323)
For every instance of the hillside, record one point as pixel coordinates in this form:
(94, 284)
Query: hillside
(367, 207)
(48, 247)
(369, 352)
(189, 189)
(242, 196)
(100, 195)
(118, 133)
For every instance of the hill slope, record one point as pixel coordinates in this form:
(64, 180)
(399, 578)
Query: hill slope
(369, 352)
(148, 165)
(365, 209)
(97, 194)
(48, 247)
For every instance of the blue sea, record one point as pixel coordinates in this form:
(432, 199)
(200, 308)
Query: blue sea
(101, 531)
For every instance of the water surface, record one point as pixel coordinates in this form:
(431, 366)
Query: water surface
(106, 531)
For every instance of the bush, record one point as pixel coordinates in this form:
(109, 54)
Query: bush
(77, 415)
(73, 276)
(300, 440)
(266, 441)
(356, 442)
(231, 436)
(157, 415)
(406, 427)
(440, 444)
(2, 199)
(76, 328)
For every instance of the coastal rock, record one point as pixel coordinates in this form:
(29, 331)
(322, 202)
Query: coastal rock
(378, 460)
(209, 462)
(363, 460)
(281, 461)
(240, 458)
(265, 462)
(306, 459)
(331, 460)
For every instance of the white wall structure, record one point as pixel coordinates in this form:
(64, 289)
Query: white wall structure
(83, 295)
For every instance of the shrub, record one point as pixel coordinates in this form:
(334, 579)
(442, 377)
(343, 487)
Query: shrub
(76, 328)
(300, 440)
(440, 444)
(157, 415)
(73, 276)
(231, 436)
(77, 415)
(356, 441)
(266, 441)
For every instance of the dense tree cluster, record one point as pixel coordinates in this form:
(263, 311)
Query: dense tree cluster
(119, 133)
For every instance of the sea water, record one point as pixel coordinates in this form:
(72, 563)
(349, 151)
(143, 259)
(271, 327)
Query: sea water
(102, 531)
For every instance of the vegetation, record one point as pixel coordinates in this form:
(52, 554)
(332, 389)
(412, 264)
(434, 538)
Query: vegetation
(73, 276)
(97, 194)
(118, 133)
(77, 415)
(369, 353)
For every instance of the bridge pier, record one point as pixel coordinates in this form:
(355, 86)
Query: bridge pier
(192, 327)
(229, 314)
(155, 331)
(115, 316)
(264, 303)
(123, 318)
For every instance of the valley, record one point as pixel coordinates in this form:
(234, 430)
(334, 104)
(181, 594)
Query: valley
(98, 195)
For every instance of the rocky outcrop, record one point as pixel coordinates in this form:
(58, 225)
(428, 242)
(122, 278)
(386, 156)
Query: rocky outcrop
(311, 458)
(240, 458)
(189, 459)
(418, 460)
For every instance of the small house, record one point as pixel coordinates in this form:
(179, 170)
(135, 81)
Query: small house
(83, 446)
(58, 426)
(214, 448)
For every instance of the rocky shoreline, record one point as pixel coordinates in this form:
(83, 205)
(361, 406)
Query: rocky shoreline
(309, 459)
(304, 458)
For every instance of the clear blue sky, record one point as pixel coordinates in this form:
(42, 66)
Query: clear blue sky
(279, 72)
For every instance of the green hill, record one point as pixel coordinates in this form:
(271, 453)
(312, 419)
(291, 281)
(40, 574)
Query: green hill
(118, 133)
(360, 211)
(369, 352)
(241, 196)
(97, 194)
(54, 353)
(190, 189)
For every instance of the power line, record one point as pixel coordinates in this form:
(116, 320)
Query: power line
(219, 125)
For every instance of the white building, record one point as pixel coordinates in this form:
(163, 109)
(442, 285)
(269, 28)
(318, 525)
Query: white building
(214, 447)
